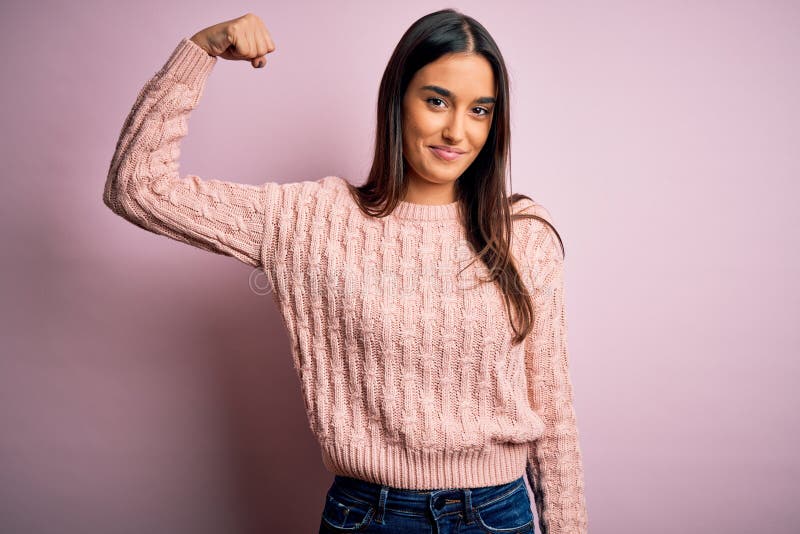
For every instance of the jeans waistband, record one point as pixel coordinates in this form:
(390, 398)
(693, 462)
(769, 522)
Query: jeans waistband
(438, 501)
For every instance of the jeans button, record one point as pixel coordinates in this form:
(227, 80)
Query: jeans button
(439, 502)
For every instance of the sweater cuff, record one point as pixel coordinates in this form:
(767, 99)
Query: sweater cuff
(189, 64)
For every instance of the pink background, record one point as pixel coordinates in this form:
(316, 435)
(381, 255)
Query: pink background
(145, 387)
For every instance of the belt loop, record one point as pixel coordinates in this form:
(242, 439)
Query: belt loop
(468, 506)
(382, 503)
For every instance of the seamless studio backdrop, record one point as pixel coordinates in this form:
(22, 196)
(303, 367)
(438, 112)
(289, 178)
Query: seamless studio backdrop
(147, 386)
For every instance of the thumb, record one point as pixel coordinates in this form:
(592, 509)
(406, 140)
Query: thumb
(259, 61)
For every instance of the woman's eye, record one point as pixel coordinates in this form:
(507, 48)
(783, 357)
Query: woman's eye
(433, 101)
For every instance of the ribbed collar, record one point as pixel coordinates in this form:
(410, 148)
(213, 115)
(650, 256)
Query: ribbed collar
(426, 212)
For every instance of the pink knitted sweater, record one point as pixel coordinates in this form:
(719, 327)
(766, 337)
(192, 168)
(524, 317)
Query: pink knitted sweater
(406, 365)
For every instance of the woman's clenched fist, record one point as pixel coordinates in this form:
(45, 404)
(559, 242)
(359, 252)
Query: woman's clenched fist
(242, 38)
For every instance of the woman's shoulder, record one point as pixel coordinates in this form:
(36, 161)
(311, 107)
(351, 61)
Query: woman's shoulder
(307, 190)
(326, 182)
(333, 182)
(531, 212)
(536, 224)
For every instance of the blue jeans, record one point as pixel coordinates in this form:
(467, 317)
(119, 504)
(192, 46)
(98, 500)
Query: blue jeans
(354, 505)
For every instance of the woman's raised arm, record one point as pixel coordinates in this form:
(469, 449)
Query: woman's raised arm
(143, 183)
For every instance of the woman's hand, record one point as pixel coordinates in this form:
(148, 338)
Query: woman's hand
(242, 38)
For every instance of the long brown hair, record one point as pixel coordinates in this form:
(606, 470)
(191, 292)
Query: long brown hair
(485, 207)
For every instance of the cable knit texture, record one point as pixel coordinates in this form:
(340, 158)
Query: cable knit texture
(406, 365)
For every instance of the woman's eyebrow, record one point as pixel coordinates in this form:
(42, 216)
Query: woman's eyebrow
(444, 92)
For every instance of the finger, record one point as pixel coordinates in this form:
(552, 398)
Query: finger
(270, 42)
(261, 49)
(253, 51)
(262, 44)
(240, 50)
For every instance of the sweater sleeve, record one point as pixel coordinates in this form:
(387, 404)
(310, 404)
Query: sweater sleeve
(555, 467)
(143, 184)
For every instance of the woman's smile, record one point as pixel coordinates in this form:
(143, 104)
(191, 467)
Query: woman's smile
(445, 154)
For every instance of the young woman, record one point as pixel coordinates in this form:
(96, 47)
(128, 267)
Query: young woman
(425, 307)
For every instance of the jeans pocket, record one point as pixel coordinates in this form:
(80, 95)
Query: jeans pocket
(343, 513)
(507, 514)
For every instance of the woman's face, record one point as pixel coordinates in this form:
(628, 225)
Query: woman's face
(449, 103)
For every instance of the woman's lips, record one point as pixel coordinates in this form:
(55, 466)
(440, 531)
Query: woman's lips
(445, 155)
